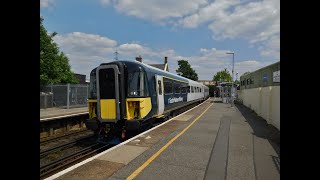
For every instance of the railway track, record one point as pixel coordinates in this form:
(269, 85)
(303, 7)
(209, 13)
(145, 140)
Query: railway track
(67, 161)
(65, 145)
(46, 141)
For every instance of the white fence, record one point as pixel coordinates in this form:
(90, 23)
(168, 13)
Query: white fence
(265, 101)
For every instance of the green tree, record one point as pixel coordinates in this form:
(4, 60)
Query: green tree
(54, 65)
(186, 70)
(223, 75)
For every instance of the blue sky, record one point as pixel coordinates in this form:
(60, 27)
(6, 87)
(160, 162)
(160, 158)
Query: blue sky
(200, 31)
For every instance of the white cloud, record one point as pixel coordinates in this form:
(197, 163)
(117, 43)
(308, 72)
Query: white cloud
(105, 2)
(256, 21)
(158, 10)
(82, 43)
(87, 51)
(46, 3)
(213, 11)
(272, 47)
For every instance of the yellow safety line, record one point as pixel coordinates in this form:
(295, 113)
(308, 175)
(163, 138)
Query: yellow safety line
(144, 165)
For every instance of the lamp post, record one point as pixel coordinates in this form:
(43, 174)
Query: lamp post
(232, 89)
(236, 92)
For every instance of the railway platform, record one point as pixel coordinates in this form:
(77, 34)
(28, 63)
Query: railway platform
(54, 113)
(211, 141)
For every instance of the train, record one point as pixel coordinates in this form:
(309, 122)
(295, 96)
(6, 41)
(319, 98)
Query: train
(125, 96)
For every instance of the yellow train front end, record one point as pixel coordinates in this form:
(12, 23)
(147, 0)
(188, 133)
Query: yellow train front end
(118, 100)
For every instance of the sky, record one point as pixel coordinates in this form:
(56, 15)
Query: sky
(200, 31)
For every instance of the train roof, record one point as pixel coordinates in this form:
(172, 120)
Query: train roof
(162, 72)
(155, 70)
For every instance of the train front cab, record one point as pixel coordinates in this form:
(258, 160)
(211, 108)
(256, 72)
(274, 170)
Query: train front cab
(121, 99)
(104, 97)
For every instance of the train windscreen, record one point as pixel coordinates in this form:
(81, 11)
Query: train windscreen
(92, 86)
(137, 84)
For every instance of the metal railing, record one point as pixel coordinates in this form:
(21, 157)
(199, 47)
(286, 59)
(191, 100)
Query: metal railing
(64, 96)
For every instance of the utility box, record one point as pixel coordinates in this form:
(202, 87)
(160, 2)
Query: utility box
(46, 100)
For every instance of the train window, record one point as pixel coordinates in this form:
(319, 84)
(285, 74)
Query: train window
(92, 86)
(167, 86)
(137, 84)
(192, 90)
(188, 89)
(200, 89)
(183, 89)
(177, 86)
(107, 83)
(160, 87)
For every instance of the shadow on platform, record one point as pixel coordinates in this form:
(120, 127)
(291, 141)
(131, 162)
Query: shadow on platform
(261, 128)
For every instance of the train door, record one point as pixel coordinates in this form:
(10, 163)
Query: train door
(108, 93)
(159, 82)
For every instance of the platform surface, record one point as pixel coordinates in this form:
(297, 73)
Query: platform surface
(212, 141)
(51, 113)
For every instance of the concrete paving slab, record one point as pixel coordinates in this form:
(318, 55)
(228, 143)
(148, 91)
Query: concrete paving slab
(166, 171)
(217, 166)
(185, 155)
(93, 170)
(199, 139)
(151, 138)
(266, 159)
(184, 117)
(240, 155)
(123, 154)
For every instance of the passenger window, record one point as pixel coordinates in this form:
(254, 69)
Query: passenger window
(167, 86)
(177, 88)
(160, 87)
(183, 89)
